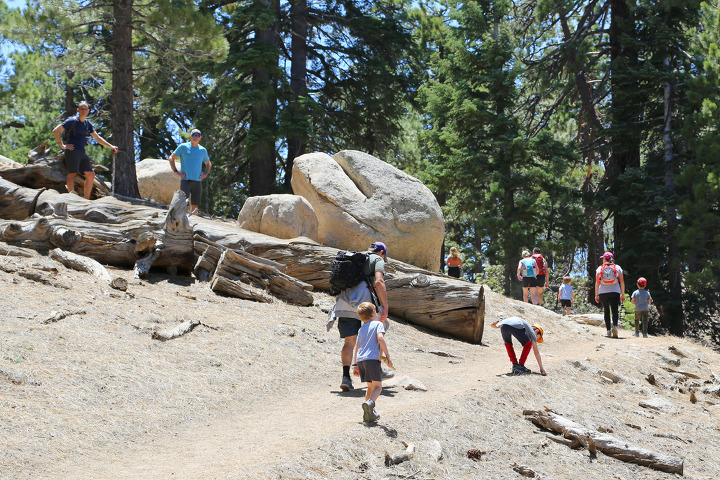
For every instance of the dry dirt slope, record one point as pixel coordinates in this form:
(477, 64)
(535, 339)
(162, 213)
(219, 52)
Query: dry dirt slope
(252, 393)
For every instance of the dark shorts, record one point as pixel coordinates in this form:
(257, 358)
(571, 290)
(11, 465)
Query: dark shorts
(192, 190)
(77, 161)
(528, 282)
(540, 281)
(454, 271)
(348, 327)
(566, 303)
(370, 371)
(508, 331)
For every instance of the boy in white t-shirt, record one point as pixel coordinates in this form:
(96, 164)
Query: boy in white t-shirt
(369, 349)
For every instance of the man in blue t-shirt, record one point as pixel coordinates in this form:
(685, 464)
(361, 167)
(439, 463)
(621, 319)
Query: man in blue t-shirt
(192, 158)
(76, 160)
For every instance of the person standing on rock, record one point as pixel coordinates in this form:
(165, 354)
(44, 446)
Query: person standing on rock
(610, 291)
(76, 160)
(527, 273)
(192, 157)
(346, 304)
(528, 335)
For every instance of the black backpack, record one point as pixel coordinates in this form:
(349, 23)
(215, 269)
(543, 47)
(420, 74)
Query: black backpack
(346, 269)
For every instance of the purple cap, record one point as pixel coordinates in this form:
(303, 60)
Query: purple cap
(607, 256)
(379, 247)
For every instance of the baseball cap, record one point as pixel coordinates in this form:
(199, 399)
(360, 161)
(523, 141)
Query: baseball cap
(195, 131)
(379, 246)
(642, 281)
(607, 255)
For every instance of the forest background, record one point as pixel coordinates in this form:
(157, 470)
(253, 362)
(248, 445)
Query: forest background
(575, 126)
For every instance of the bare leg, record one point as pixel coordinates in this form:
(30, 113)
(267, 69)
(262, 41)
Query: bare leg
(193, 209)
(373, 391)
(70, 182)
(347, 350)
(89, 179)
(525, 294)
(540, 294)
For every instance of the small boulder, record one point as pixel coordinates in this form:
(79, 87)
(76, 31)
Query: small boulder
(156, 180)
(359, 199)
(279, 216)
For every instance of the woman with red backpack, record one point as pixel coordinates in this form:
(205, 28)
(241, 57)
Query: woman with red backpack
(610, 291)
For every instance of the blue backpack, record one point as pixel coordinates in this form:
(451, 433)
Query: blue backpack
(528, 264)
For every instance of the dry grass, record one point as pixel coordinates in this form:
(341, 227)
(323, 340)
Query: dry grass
(255, 395)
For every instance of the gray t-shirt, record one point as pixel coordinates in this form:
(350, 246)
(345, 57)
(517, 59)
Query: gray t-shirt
(641, 297)
(518, 322)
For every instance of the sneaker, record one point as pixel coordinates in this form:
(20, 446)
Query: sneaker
(608, 334)
(346, 384)
(386, 373)
(523, 368)
(375, 415)
(644, 335)
(614, 332)
(367, 411)
(636, 334)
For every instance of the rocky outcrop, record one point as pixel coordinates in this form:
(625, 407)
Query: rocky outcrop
(156, 180)
(280, 216)
(6, 163)
(359, 199)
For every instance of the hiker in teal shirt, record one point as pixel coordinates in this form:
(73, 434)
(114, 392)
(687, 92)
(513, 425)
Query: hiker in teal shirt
(192, 158)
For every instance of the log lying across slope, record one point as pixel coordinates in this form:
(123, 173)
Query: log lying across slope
(133, 233)
(576, 435)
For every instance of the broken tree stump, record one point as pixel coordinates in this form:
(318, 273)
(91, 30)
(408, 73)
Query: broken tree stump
(607, 444)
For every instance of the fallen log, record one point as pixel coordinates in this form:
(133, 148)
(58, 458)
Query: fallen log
(80, 263)
(246, 268)
(57, 316)
(607, 444)
(45, 170)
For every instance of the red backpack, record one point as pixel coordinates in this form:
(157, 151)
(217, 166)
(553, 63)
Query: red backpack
(540, 263)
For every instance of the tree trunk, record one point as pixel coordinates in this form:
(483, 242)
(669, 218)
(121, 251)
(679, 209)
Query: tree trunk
(576, 435)
(262, 134)
(297, 141)
(121, 109)
(673, 310)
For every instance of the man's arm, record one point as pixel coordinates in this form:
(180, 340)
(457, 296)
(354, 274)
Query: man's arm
(382, 294)
(104, 142)
(207, 170)
(57, 133)
(172, 165)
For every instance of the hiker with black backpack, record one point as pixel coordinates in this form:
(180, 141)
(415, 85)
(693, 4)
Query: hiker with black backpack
(610, 291)
(360, 277)
(77, 129)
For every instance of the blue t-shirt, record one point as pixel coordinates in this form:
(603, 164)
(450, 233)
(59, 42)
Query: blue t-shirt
(566, 291)
(77, 132)
(191, 160)
(368, 345)
(641, 297)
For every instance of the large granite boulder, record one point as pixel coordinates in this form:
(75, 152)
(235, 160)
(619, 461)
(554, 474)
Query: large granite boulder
(156, 180)
(359, 199)
(279, 216)
(7, 163)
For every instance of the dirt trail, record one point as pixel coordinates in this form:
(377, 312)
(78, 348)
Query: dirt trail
(282, 423)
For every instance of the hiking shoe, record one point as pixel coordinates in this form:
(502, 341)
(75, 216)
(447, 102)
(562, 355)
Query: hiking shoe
(644, 335)
(346, 384)
(614, 332)
(523, 368)
(636, 334)
(367, 411)
(375, 415)
(608, 334)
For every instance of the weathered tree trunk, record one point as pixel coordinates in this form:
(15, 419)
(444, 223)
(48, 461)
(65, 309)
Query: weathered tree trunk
(83, 264)
(297, 142)
(576, 435)
(48, 171)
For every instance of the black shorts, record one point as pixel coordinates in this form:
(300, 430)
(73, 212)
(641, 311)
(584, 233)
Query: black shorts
(566, 303)
(540, 281)
(370, 371)
(348, 327)
(192, 190)
(454, 272)
(508, 331)
(528, 282)
(77, 161)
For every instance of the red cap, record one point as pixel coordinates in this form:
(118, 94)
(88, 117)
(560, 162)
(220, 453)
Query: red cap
(642, 282)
